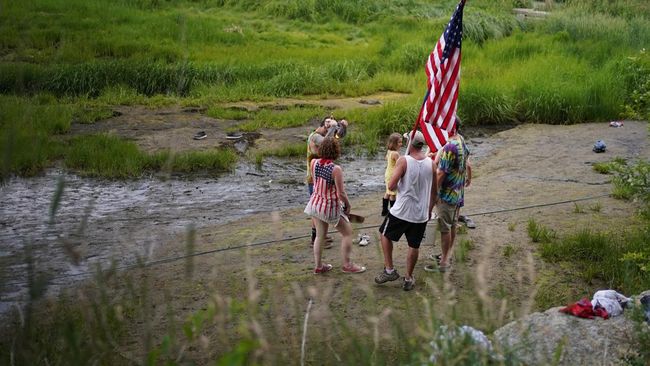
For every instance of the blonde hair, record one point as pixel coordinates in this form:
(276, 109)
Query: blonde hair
(393, 141)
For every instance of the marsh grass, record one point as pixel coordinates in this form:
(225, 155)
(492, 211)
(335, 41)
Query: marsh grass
(96, 155)
(286, 151)
(28, 131)
(620, 259)
(279, 119)
(577, 208)
(596, 207)
(464, 247)
(609, 167)
(509, 250)
(632, 182)
(228, 113)
(539, 233)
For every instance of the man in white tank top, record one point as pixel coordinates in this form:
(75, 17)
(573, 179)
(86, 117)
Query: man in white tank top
(414, 179)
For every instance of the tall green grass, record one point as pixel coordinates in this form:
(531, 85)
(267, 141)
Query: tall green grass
(287, 151)
(279, 119)
(620, 259)
(29, 130)
(111, 157)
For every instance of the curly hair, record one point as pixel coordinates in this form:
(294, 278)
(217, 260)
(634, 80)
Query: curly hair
(393, 140)
(330, 149)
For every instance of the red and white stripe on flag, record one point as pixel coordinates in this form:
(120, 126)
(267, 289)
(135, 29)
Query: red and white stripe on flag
(437, 118)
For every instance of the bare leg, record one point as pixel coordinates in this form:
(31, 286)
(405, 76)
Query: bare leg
(411, 260)
(387, 248)
(345, 229)
(446, 239)
(321, 230)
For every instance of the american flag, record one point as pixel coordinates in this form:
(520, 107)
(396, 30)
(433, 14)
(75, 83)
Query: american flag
(437, 116)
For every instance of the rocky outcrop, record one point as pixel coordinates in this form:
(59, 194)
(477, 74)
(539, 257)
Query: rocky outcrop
(553, 337)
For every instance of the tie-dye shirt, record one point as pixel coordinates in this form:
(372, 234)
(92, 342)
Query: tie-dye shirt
(453, 161)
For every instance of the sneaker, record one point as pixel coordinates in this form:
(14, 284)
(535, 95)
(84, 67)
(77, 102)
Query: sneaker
(353, 268)
(385, 276)
(408, 285)
(323, 269)
(200, 135)
(364, 239)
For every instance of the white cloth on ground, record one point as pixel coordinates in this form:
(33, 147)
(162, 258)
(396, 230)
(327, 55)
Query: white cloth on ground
(611, 300)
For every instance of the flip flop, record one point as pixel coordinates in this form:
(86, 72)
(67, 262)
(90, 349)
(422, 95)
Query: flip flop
(436, 269)
(438, 258)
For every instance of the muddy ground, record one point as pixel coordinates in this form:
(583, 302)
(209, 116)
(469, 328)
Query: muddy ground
(494, 282)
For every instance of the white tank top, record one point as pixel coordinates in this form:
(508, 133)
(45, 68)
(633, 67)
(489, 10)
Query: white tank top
(414, 191)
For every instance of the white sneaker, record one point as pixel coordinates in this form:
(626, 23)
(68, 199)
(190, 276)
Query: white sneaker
(364, 239)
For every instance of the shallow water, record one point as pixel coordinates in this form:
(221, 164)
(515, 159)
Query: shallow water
(104, 221)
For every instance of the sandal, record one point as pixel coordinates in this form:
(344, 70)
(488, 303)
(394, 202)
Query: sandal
(353, 268)
(436, 269)
(323, 269)
(438, 258)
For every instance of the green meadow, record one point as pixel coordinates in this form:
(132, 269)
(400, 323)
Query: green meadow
(76, 59)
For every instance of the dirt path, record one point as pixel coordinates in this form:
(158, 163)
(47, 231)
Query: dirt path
(497, 282)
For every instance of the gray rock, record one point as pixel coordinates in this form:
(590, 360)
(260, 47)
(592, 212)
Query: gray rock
(553, 337)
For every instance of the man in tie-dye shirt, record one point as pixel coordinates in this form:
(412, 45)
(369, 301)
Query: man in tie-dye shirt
(453, 174)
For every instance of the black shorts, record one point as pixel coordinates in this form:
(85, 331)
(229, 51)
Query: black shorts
(393, 228)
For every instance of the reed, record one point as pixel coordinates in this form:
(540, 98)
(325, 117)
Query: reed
(109, 156)
(29, 132)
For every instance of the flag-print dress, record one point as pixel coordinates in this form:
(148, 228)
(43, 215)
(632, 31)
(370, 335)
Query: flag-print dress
(324, 203)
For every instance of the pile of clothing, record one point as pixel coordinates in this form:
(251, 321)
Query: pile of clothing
(605, 304)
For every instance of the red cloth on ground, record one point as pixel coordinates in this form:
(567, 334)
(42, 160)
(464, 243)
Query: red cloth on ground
(584, 309)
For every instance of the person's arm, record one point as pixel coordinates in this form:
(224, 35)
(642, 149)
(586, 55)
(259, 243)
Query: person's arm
(444, 162)
(394, 156)
(332, 128)
(398, 173)
(340, 188)
(342, 129)
(440, 177)
(434, 188)
(468, 177)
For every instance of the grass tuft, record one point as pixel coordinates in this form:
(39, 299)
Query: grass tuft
(539, 233)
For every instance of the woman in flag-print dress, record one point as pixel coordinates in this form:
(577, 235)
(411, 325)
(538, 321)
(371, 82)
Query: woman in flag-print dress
(329, 205)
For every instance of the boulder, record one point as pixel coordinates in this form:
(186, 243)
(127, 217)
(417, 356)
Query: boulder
(553, 337)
